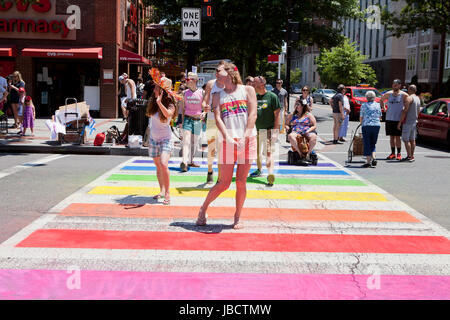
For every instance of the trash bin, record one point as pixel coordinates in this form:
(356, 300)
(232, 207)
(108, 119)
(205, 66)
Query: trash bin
(137, 120)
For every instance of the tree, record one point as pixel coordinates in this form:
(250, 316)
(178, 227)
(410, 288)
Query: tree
(247, 31)
(420, 15)
(344, 64)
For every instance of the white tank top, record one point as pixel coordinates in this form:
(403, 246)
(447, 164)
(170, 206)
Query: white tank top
(159, 130)
(234, 112)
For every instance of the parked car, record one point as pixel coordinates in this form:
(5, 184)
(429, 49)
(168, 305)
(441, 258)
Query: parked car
(296, 89)
(434, 121)
(269, 87)
(323, 95)
(357, 96)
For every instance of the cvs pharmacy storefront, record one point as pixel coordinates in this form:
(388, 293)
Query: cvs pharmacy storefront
(65, 49)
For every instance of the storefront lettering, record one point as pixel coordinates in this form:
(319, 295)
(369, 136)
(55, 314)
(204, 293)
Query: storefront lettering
(53, 26)
(41, 26)
(41, 7)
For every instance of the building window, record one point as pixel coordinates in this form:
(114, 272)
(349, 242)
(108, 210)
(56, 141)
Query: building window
(411, 65)
(424, 57)
(447, 55)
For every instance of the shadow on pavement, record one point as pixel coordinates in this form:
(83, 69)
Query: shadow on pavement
(208, 229)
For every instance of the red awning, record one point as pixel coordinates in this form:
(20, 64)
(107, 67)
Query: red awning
(68, 53)
(6, 51)
(131, 57)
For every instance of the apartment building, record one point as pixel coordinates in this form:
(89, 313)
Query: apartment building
(423, 56)
(385, 53)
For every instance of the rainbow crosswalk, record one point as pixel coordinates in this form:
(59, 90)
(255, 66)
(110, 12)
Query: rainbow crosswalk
(319, 233)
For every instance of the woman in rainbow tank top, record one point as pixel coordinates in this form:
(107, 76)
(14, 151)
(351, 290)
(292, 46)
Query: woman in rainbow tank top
(235, 110)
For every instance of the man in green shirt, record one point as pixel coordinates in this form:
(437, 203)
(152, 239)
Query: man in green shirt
(267, 124)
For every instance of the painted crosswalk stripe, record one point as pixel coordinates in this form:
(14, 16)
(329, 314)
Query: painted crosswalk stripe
(102, 285)
(251, 194)
(267, 214)
(250, 180)
(145, 240)
(276, 171)
(178, 162)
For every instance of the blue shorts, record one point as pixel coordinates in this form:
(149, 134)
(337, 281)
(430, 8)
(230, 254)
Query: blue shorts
(192, 125)
(157, 148)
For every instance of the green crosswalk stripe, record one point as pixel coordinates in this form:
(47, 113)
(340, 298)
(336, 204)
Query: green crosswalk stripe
(259, 180)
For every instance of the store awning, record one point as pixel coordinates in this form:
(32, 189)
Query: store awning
(68, 53)
(8, 51)
(131, 57)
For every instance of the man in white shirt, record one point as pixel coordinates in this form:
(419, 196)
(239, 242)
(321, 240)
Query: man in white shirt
(344, 125)
(213, 86)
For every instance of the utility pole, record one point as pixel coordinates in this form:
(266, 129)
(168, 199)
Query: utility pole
(288, 54)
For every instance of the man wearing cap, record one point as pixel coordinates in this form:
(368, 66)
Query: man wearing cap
(396, 101)
(191, 121)
(130, 91)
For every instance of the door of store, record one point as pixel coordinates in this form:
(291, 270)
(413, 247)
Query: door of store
(57, 80)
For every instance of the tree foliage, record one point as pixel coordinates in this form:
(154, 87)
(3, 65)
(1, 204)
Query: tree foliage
(248, 31)
(344, 64)
(418, 15)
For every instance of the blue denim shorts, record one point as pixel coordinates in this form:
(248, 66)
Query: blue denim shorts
(192, 125)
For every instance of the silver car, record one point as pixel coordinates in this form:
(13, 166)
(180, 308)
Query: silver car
(323, 95)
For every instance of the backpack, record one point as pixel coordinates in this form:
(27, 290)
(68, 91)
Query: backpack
(99, 139)
(113, 133)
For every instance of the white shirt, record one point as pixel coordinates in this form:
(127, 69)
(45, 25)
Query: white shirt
(346, 103)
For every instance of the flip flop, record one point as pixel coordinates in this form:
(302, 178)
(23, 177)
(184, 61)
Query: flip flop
(166, 202)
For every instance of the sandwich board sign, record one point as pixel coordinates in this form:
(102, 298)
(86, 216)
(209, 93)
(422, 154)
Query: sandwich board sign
(191, 24)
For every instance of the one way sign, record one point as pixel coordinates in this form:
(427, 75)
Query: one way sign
(191, 24)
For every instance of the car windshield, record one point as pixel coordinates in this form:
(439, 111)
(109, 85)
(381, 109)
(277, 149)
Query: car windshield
(329, 91)
(361, 93)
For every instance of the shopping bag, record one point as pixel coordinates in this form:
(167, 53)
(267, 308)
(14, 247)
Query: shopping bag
(134, 141)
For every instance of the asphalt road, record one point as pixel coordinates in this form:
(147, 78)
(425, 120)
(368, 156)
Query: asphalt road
(424, 185)
(34, 183)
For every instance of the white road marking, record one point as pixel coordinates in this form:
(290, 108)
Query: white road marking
(25, 166)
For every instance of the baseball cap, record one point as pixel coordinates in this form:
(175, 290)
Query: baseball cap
(397, 81)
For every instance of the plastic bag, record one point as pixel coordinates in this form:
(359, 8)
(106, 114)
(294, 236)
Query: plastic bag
(134, 141)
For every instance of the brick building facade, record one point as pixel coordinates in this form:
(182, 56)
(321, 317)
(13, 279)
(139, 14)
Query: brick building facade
(75, 48)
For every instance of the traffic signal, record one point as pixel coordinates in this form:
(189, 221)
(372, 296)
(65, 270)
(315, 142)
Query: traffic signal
(207, 9)
(294, 28)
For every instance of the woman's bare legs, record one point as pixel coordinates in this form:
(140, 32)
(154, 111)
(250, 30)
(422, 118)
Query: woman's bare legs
(241, 192)
(226, 175)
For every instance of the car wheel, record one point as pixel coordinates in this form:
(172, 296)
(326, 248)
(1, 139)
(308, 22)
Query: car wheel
(323, 101)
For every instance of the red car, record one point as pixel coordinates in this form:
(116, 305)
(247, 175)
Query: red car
(357, 96)
(434, 120)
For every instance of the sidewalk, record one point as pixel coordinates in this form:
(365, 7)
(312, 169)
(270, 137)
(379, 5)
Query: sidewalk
(41, 142)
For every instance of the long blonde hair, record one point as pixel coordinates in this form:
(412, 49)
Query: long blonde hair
(17, 74)
(233, 71)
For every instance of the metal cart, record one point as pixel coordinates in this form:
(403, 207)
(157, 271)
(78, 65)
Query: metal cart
(75, 129)
(356, 147)
(4, 123)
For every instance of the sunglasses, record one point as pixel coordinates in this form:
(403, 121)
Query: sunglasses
(304, 90)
